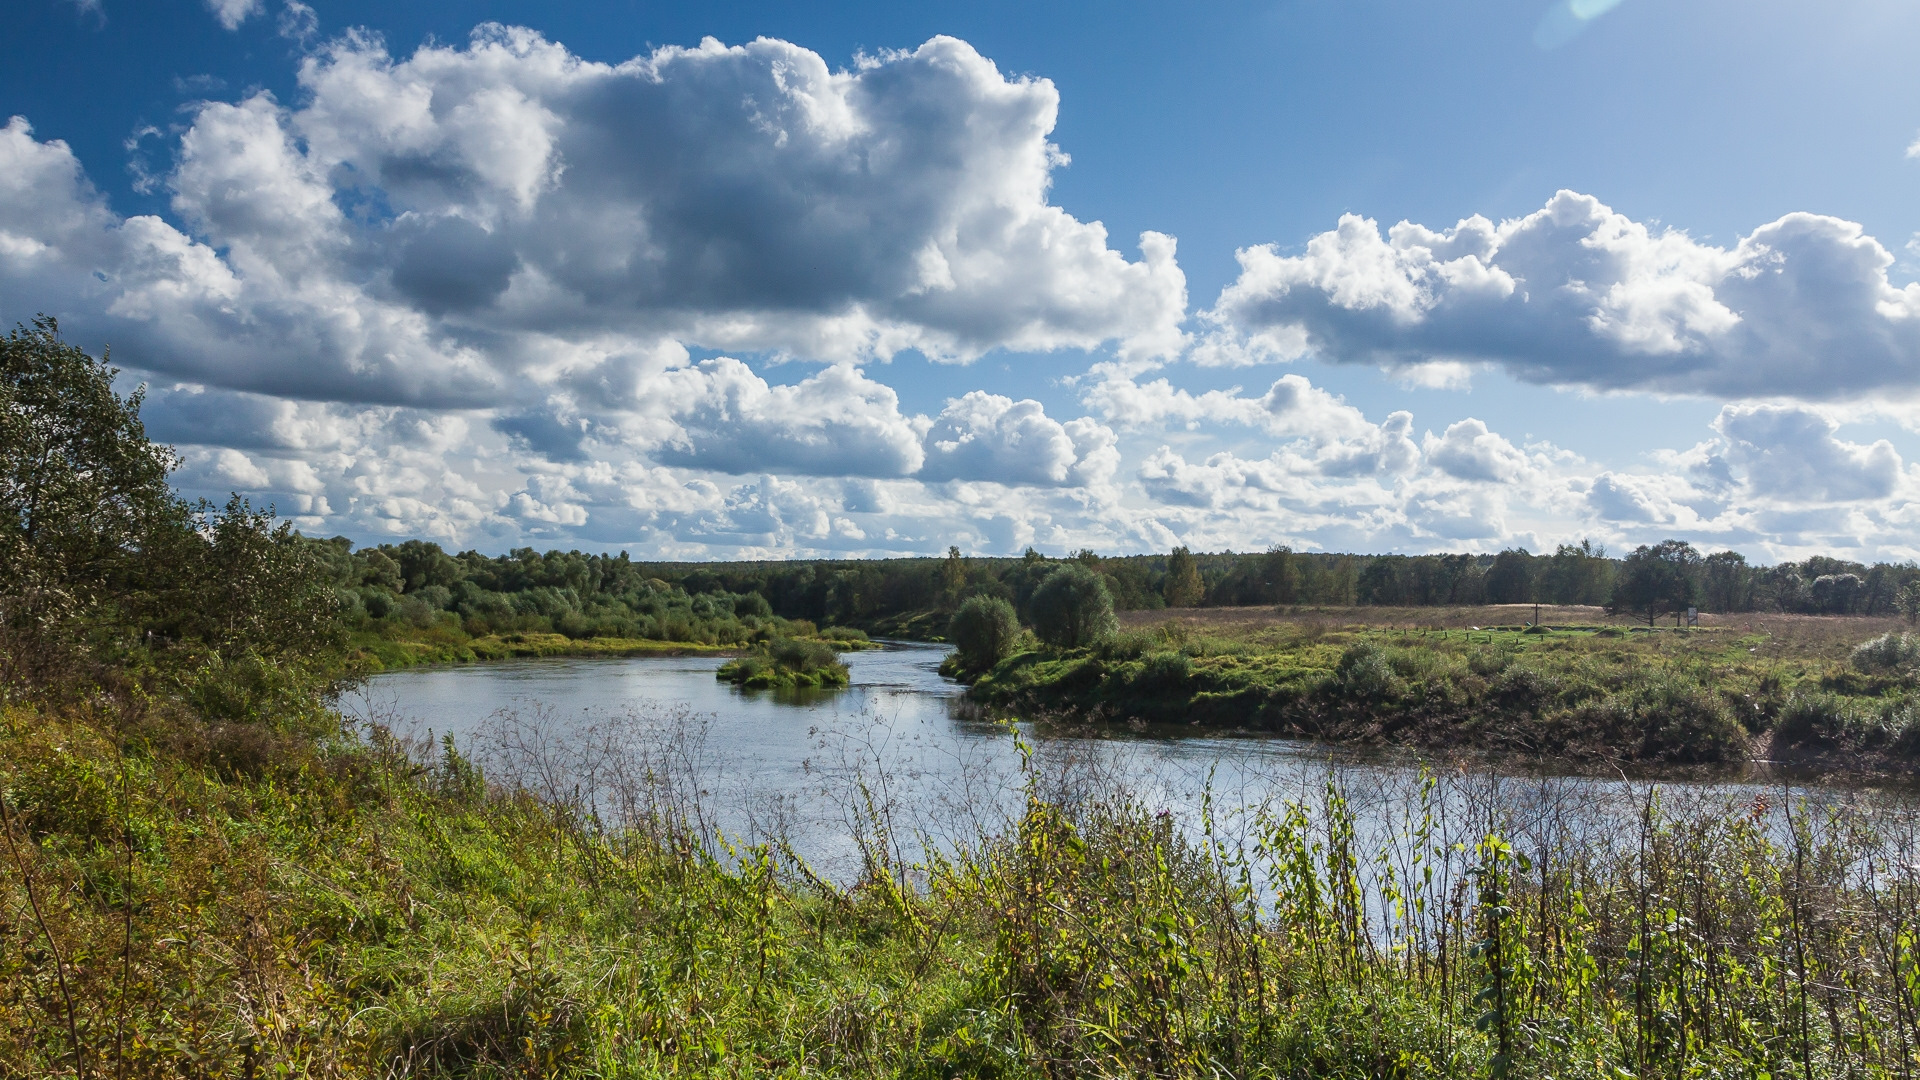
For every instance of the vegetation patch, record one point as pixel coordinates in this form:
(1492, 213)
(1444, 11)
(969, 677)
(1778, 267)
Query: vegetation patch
(787, 664)
(1597, 694)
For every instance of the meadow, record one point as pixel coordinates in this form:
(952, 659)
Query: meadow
(1579, 685)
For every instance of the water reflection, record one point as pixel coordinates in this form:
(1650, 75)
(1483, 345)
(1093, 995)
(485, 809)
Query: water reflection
(900, 751)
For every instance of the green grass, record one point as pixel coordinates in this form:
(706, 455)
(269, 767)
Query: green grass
(380, 653)
(350, 909)
(406, 646)
(788, 664)
(1586, 692)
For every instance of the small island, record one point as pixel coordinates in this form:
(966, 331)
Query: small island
(787, 663)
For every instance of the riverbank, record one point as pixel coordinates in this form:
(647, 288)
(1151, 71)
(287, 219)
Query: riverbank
(392, 650)
(1588, 691)
(362, 906)
(376, 652)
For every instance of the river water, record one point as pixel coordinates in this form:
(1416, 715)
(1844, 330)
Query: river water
(901, 747)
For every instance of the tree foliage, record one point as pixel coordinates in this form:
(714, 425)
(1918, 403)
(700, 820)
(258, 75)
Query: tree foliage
(1184, 587)
(983, 631)
(1658, 580)
(1072, 609)
(107, 575)
(1510, 578)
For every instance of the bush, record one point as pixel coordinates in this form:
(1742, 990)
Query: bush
(846, 637)
(1167, 671)
(1682, 721)
(787, 662)
(983, 632)
(1072, 609)
(1364, 673)
(1888, 654)
(1813, 721)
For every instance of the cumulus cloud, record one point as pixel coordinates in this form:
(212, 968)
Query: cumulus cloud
(1577, 294)
(1468, 451)
(835, 423)
(1790, 453)
(1636, 500)
(476, 293)
(514, 248)
(423, 229)
(983, 436)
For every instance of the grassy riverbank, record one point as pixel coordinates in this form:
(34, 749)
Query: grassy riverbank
(1579, 686)
(267, 905)
(401, 647)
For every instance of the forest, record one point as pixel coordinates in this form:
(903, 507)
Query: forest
(404, 588)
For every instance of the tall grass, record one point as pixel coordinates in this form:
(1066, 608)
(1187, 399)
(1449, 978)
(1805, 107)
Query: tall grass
(561, 904)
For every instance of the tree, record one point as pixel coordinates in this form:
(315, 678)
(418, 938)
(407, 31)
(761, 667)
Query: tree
(1183, 587)
(1072, 608)
(1510, 579)
(1656, 580)
(1909, 601)
(100, 560)
(1282, 579)
(953, 573)
(1837, 594)
(81, 487)
(1577, 574)
(983, 631)
(1726, 582)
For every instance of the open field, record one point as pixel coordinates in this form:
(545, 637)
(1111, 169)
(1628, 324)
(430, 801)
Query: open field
(1804, 631)
(1596, 688)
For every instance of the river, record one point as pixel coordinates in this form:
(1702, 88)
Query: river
(901, 747)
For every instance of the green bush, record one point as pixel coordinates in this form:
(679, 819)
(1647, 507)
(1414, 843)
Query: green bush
(1072, 609)
(983, 632)
(787, 663)
(1164, 671)
(1365, 674)
(1890, 653)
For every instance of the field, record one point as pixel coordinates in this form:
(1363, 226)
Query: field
(1581, 685)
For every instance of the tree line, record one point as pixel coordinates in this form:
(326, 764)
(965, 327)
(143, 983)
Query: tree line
(100, 559)
(587, 595)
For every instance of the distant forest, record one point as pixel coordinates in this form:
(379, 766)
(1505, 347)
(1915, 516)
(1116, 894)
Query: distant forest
(581, 595)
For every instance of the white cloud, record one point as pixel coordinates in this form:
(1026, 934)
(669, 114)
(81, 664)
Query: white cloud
(1789, 453)
(1468, 451)
(231, 13)
(460, 286)
(444, 228)
(982, 436)
(1576, 294)
(1638, 500)
(458, 295)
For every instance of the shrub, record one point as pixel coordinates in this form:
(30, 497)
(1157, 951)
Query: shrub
(1813, 721)
(787, 662)
(1072, 609)
(802, 655)
(983, 632)
(1887, 654)
(1685, 722)
(1364, 673)
(1164, 671)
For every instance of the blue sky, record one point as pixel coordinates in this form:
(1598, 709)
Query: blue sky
(508, 273)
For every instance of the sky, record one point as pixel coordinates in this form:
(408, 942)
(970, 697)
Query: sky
(791, 280)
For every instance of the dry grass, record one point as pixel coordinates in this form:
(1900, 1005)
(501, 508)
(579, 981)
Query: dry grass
(1830, 636)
